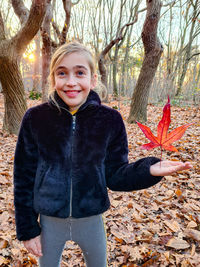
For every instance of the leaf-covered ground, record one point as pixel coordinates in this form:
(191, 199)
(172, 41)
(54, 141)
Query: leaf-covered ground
(159, 226)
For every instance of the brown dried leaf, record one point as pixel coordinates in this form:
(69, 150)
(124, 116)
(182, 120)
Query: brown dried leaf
(193, 250)
(3, 261)
(3, 243)
(173, 225)
(192, 224)
(194, 234)
(177, 243)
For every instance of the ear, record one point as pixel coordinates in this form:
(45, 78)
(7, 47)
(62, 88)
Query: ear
(93, 81)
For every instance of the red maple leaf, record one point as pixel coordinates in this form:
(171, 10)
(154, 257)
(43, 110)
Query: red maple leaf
(163, 138)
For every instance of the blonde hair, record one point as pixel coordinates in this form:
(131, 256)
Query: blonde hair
(66, 49)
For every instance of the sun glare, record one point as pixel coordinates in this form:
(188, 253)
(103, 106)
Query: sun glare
(31, 57)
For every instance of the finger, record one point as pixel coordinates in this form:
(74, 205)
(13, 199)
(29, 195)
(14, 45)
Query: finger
(39, 247)
(188, 164)
(177, 163)
(33, 250)
(171, 163)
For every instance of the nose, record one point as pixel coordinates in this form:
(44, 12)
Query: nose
(71, 81)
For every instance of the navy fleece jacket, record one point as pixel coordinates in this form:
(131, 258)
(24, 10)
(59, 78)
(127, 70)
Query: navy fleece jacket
(60, 171)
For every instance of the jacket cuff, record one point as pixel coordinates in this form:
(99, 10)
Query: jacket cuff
(145, 179)
(24, 235)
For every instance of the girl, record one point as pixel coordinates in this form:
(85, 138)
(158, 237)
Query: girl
(68, 152)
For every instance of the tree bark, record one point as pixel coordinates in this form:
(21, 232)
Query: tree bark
(10, 55)
(36, 70)
(46, 50)
(67, 5)
(14, 97)
(20, 10)
(188, 48)
(115, 65)
(153, 50)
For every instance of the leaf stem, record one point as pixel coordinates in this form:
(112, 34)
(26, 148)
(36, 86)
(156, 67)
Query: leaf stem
(161, 155)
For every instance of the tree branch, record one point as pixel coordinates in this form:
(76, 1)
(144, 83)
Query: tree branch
(196, 54)
(32, 25)
(45, 28)
(2, 30)
(119, 37)
(170, 4)
(20, 10)
(55, 27)
(67, 7)
(126, 25)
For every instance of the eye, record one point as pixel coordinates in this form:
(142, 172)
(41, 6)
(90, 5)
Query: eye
(61, 73)
(80, 73)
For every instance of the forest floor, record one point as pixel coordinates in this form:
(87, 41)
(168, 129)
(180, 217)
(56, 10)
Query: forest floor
(159, 226)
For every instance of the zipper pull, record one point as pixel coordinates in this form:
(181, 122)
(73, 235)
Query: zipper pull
(73, 123)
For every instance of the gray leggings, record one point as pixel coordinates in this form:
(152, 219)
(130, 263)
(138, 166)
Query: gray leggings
(88, 233)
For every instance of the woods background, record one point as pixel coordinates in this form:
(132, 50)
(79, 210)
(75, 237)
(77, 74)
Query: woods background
(145, 51)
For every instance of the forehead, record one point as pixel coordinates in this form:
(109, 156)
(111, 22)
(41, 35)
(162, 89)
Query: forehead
(74, 60)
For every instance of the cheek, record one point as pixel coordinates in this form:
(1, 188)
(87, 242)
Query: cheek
(58, 84)
(87, 85)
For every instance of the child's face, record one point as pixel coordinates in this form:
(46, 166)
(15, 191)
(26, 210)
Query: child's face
(73, 80)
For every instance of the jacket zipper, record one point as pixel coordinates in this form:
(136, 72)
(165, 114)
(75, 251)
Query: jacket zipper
(71, 191)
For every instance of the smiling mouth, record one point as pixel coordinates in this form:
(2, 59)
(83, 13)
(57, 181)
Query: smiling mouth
(72, 93)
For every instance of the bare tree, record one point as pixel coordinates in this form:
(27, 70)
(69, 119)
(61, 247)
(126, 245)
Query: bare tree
(194, 32)
(11, 51)
(48, 44)
(133, 15)
(153, 50)
(127, 48)
(101, 61)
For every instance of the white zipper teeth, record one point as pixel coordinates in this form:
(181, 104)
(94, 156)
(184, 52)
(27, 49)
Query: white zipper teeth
(71, 191)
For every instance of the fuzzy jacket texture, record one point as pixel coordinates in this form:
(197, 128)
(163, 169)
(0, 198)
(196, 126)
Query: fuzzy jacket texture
(63, 172)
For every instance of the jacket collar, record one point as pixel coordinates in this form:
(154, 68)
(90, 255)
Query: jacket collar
(93, 99)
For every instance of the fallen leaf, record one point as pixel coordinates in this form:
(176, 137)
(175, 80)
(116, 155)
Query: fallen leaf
(177, 243)
(178, 192)
(173, 225)
(192, 224)
(193, 250)
(3, 243)
(194, 234)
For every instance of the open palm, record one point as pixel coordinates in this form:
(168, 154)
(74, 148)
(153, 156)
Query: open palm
(167, 167)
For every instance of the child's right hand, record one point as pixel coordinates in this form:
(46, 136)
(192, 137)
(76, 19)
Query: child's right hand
(34, 246)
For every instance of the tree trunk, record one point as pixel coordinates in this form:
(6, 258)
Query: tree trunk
(15, 103)
(11, 51)
(188, 52)
(36, 70)
(115, 87)
(153, 50)
(46, 50)
(46, 58)
(104, 78)
(125, 63)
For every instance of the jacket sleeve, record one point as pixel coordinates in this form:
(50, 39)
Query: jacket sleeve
(25, 165)
(120, 174)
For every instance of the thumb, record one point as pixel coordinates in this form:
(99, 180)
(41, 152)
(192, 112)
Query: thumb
(39, 246)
